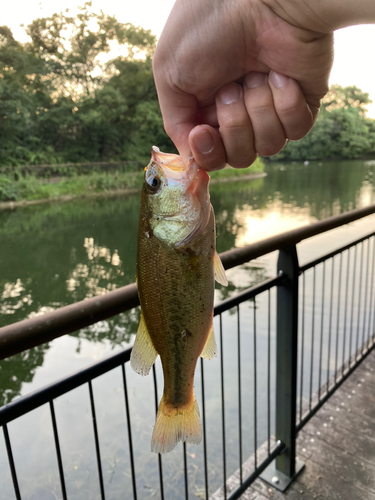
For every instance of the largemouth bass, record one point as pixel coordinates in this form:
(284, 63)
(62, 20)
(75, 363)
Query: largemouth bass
(176, 268)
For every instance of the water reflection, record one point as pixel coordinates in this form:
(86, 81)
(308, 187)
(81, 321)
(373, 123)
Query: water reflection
(13, 297)
(56, 254)
(96, 276)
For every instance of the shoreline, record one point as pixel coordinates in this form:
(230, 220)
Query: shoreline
(4, 205)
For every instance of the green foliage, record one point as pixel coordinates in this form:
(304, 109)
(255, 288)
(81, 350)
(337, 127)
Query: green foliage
(8, 189)
(62, 100)
(29, 187)
(342, 129)
(234, 173)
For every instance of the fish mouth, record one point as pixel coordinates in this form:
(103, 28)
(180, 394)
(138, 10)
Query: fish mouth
(170, 160)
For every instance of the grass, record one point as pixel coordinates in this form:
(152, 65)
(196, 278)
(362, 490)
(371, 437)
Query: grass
(230, 173)
(30, 187)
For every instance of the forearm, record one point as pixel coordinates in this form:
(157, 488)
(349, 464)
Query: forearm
(324, 16)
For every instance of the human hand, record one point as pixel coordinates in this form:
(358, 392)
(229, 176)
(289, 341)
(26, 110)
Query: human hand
(235, 79)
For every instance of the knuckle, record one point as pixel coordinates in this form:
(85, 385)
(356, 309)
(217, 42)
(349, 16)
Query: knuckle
(232, 122)
(242, 161)
(288, 109)
(260, 109)
(270, 149)
(298, 133)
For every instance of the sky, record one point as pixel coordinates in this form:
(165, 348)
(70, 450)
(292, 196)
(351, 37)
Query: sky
(354, 46)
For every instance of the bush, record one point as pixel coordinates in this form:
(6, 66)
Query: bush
(9, 190)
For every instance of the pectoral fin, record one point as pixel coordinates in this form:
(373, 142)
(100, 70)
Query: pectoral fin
(219, 271)
(210, 349)
(143, 355)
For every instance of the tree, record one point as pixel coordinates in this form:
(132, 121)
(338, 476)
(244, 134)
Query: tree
(24, 94)
(73, 47)
(342, 129)
(63, 100)
(345, 98)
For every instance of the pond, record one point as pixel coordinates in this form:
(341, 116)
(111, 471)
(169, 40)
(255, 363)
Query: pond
(59, 253)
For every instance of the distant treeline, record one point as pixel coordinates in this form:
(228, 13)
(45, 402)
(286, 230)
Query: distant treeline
(62, 100)
(342, 130)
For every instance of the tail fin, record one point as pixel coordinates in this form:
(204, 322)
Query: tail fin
(176, 424)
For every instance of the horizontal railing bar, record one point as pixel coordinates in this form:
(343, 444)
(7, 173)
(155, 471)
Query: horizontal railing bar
(37, 398)
(247, 294)
(321, 259)
(258, 471)
(333, 389)
(31, 332)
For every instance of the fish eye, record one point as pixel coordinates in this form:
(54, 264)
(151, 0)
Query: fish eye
(153, 184)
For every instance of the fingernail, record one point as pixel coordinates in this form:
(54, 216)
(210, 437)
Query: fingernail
(230, 94)
(277, 80)
(204, 142)
(254, 80)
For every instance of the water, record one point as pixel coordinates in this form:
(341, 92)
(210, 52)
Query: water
(55, 254)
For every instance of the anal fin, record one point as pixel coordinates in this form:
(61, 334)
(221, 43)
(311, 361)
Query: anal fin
(144, 354)
(219, 271)
(210, 348)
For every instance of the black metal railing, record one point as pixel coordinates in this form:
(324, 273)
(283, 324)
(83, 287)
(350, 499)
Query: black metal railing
(282, 354)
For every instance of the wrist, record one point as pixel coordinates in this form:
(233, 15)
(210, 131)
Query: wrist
(323, 16)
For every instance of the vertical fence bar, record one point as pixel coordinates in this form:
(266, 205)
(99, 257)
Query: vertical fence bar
(96, 436)
(359, 303)
(366, 293)
(255, 387)
(330, 323)
(286, 359)
(371, 339)
(312, 339)
(223, 408)
(204, 432)
(156, 412)
(185, 472)
(269, 376)
(371, 288)
(131, 453)
(338, 317)
(239, 391)
(58, 451)
(352, 309)
(11, 462)
(302, 346)
(321, 330)
(345, 313)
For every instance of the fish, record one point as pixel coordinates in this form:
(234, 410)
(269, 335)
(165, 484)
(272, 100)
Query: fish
(177, 265)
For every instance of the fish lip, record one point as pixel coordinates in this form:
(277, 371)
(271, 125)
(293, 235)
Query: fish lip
(199, 180)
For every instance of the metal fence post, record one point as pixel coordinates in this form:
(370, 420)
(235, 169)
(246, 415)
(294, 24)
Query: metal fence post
(285, 467)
